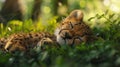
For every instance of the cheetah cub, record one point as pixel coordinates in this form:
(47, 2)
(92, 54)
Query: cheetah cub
(71, 31)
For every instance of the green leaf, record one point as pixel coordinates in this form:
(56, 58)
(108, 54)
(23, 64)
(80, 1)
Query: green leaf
(111, 16)
(91, 18)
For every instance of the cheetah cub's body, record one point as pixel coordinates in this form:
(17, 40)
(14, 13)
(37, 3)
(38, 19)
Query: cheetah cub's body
(25, 41)
(73, 30)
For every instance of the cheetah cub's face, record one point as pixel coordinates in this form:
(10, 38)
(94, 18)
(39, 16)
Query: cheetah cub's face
(65, 32)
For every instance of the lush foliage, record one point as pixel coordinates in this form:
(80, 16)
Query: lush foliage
(103, 53)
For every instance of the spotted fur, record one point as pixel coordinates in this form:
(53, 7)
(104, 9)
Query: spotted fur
(73, 30)
(26, 41)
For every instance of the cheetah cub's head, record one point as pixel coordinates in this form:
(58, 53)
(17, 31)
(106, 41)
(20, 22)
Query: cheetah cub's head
(63, 32)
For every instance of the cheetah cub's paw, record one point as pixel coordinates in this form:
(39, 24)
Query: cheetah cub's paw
(44, 43)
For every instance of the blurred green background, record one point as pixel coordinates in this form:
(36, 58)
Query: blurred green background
(46, 9)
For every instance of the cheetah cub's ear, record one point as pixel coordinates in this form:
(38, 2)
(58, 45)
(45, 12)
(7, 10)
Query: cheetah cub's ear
(76, 14)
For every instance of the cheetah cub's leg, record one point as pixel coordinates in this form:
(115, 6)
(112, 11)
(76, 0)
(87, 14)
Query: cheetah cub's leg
(44, 42)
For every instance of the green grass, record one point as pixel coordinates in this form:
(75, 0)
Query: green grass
(103, 53)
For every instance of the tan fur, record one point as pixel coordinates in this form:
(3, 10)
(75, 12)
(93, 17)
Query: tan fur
(26, 41)
(73, 29)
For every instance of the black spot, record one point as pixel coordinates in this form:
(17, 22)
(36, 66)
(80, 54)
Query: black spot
(36, 41)
(8, 48)
(26, 38)
(39, 38)
(30, 35)
(1, 46)
(2, 41)
(21, 42)
(36, 35)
